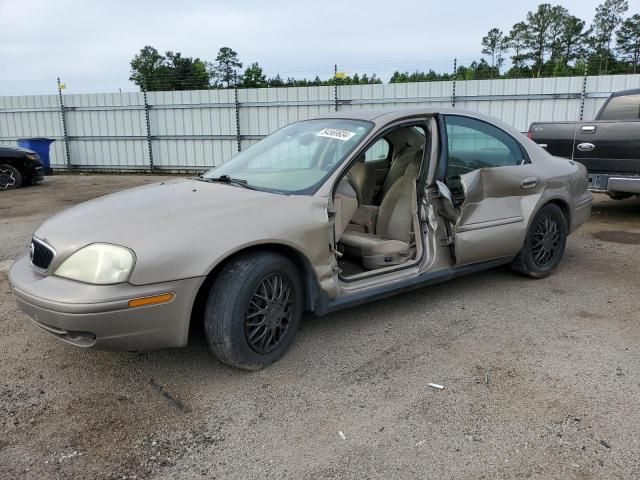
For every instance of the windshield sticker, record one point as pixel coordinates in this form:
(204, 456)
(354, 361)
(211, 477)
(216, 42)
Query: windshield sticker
(343, 135)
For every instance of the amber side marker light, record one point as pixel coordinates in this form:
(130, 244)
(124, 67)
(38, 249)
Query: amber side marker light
(153, 300)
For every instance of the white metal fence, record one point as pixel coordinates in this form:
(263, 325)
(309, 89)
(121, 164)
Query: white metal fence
(195, 130)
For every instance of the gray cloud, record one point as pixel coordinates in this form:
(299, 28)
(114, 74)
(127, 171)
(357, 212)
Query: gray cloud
(89, 43)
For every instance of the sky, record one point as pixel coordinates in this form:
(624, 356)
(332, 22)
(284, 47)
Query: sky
(89, 43)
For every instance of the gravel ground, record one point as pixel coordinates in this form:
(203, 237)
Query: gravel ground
(541, 378)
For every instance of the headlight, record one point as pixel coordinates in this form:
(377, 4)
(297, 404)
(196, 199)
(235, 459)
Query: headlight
(32, 157)
(99, 264)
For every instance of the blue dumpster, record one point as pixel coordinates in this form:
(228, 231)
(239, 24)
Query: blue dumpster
(41, 147)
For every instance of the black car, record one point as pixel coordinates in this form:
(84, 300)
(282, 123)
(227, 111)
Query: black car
(18, 167)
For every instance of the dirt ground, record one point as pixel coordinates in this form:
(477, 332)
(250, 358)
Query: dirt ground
(541, 378)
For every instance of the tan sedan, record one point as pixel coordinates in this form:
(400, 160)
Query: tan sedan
(322, 214)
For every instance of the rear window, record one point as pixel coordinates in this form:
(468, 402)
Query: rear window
(624, 107)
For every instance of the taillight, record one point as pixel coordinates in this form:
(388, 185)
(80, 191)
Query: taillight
(530, 135)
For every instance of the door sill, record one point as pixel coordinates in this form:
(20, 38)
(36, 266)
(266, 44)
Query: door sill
(367, 274)
(404, 285)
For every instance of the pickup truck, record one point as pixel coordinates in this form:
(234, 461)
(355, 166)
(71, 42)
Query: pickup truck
(19, 167)
(609, 146)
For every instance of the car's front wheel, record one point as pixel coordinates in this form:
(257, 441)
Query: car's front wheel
(545, 242)
(254, 310)
(10, 177)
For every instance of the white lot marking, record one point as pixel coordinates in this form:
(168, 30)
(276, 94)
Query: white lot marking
(435, 385)
(342, 436)
(338, 134)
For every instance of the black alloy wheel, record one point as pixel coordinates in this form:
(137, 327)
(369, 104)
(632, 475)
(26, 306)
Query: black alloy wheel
(269, 313)
(545, 241)
(254, 309)
(544, 244)
(10, 177)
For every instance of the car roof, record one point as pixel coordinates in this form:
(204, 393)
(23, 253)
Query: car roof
(374, 114)
(383, 116)
(621, 93)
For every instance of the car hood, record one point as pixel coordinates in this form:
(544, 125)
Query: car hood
(6, 149)
(175, 227)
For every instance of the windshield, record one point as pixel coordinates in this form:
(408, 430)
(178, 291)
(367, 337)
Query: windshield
(296, 158)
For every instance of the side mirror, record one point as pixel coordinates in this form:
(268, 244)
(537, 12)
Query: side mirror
(448, 211)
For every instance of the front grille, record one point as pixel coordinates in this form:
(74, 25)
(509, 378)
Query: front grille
(41, 254)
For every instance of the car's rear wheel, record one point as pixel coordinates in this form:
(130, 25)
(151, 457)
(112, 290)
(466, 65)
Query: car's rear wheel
(10, 177)
(544, 245)
(254, 310)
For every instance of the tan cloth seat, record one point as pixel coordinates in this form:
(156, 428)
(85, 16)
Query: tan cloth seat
(391, 244)
(409, 158)
(345, 204)
(362, 177)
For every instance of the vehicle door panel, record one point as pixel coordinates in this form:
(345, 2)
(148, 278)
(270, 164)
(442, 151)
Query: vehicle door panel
(490, 179)
(491, 222)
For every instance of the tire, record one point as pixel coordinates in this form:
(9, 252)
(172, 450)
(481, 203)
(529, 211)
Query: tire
(544, 244)
(247, 304)
(10, 177)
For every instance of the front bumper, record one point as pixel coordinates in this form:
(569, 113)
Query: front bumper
(38, 175)
(99, 316)
(34, 171)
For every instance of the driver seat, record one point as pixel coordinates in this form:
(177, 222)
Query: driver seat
(393, 240)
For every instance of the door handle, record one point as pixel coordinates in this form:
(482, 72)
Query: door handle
(588, 129)
(529, 182)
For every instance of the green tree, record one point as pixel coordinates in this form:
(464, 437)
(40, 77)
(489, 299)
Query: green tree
(254, 77)
(493, 45)
(607, 19)
(628, 40)
(226, 66)
(398, 77)
(152, 71)
(572, 40)
(373, 80)
(517, 42)
(556, 29)
(539, 23)
(276, 81)
(184, 73)
(144, 67)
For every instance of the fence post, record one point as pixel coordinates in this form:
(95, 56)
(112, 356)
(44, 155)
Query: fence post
(237, 104)
(455, 76)
(148, 125)
(63, 115)
(335, 86)
(583, 93)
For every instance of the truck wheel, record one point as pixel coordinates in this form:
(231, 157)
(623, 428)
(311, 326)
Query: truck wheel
(254, 310)
(10, 177)
(544, 245)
